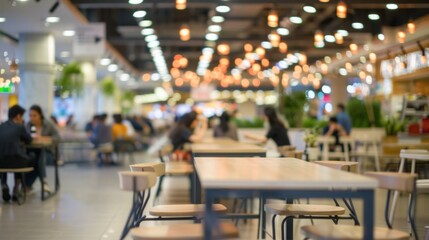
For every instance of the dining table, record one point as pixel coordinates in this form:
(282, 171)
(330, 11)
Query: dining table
(280, 178)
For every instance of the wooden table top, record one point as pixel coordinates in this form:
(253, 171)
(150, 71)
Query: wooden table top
(226, 147)
(218, 141)
(40, 143)
(275, 174)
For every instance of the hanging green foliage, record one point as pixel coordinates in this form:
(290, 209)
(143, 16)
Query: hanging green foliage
(108, 86)
(294, 108)
(70, 82)
(127, 101)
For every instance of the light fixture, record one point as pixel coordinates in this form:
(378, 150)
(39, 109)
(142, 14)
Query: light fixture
(151, 38)
(423, 57)
(223, 9)
(212, 37)
(302, 59)
(260, 51)
(372, 57)
(411, 27)
(153, 44)
(2, 19)
(309, 9)
(185, 33)
(295, 19)
(357, 25)
(400, 36)
(274, 38)
(343, 32)
(248, 47)
(380, 37)
(283, 31)
(218, 19)
(283, 47)
(266, 45)
(392, 6)
(145, 23)
(180, 4)
(318, 36)
(105, 61)
(353, 47)
(339, 39)
(330, 38)
(373, 16)
(135, 2)
(273, 19)
(147, 31)
(324, 1)
(112, 68)
(139, 14)
(341, 9)
(214, 28)
(52, 19)
(69, 33)
(223, 49)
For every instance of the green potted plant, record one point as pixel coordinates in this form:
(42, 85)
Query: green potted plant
(392, 127)
(108, 86)
(310, 139)
(70, 81)
(294, 108)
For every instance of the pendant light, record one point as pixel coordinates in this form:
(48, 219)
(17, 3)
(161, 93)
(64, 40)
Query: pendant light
(372, 57)
(318, 36)
(353, 47)
(341, 9)
(185, 33)
(223, 49)
(339, 39)
(411, 27)
(423, 57)
(273, 19)
(283, 47)
(274, 38)
(180, 4)
(400, 36)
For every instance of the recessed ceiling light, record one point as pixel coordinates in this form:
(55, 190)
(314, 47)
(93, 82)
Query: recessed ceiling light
(218, 19)
(330, 38)
(357, 25)
(151, 38)
(153, 44)
(283, 31)
(139, 14)
(223, 9)
(373, 16)
(147, 31)
(212, 36)
(145, 23)
(295, 19)
(2, 19)
(112, 68)
(52, 19)
(266, 45)
(105, 61)
(134, 2)
(69, 33)
(124, 77)
(343, 32)
(380, 37)
(215, 28)
(392, 6)
(309, 9)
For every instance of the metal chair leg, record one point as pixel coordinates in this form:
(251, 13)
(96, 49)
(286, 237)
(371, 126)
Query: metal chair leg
(273, 223)
(158, 191)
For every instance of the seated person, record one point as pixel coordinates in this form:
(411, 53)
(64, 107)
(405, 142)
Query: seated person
(225, 128)
(89, 127)
(189, 128)
(334, 129)
(41, 128)
(123, 138)
(101, 137)
(119, 129)
(13, 137)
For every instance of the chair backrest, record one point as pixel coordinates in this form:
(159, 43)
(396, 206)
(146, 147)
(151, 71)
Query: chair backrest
(165, 152)
(414, 154)
(404, 182)
(136, 181)
(340, 165)
(287, 151)
(157, 167)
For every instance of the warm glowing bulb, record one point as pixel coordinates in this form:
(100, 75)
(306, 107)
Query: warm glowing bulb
(260, 51)
(372, 57)
(184, 33)
(274, 38)
(248, 47)
(341, 9)
(318, 36)
(400, 36)
(283, 47)
(223, 49)
(353, 47)
(411, 27)
(273, 19)
(180, 4)
(302, 59)
(339, 39)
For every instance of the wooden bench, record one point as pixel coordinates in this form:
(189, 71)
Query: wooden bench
(22, 194)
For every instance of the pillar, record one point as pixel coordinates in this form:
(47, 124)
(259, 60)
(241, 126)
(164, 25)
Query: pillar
(85, 104)
(338, 91)
(36, 56)
(109, 104)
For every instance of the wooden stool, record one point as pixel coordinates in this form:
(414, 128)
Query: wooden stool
(21, 194)
(387, 180)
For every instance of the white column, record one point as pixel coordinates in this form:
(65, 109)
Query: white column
(85, 104)
(109, 105)
(37, 58)
(339, 91)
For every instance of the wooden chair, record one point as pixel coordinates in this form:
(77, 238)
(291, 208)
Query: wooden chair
(404, 182)
(312, 211)
(140, 183)
(21, 197)
(173, 168)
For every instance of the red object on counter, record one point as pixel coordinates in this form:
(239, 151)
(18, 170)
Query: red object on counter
(425, 125)
(414, 128)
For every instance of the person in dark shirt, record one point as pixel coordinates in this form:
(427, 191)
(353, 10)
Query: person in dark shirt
(89, 127)
(277, 131)
(189, 128)
(13, 137)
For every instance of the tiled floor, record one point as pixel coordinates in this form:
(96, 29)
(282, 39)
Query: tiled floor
(90, 206)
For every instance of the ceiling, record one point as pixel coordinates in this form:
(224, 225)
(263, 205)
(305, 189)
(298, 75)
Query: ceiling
(245, 23)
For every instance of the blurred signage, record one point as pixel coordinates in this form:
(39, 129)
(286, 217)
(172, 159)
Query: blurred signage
(404, 64)
(202, 92)
(89, 41)
(7, 89)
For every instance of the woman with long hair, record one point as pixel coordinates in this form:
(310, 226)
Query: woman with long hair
(225, 128)
(277, 131)
(189, 128)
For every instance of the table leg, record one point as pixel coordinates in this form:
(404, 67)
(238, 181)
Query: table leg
(210, 221)
(196, 188)
(396, 193)
(262, 218)
(289, 224)
(57, 178)
(368, 214)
